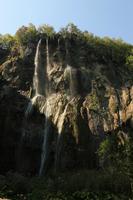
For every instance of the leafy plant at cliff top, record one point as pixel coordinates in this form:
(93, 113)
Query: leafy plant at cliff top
(69, 31)
(129, 61)
(46, 30)
(108, 50)
(26, 35)
(7, 44)
(84, 46)
(7, 41)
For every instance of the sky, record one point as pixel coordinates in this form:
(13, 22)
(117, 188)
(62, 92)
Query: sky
(113, 18)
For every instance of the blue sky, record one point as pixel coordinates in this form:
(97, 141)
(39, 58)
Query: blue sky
(112, 18)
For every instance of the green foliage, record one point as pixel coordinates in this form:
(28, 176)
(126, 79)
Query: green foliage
(93, 101)
(110, 152)
(7, 41)
(104, 148)
(69, 31)
(81, 185)
(46, 31)
(85, 46)
(129, 61)
(102, 184)
(119, 155)
(26, 35)
(107, 49)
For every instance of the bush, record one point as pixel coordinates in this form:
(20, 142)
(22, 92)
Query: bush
(26, 35)
(80, 185)
(17, 183)
(46, 31)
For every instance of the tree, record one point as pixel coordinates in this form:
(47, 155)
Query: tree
(46, 30)
(70, 30)
(129, 61)
(7, 41)
(26, 35)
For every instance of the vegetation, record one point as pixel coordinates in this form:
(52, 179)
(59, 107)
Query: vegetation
(116, 152)
(26, 35)
(83, 184)
(114, 180)
(93, 102)
(102, 50)
(46, 31)
(130, 61)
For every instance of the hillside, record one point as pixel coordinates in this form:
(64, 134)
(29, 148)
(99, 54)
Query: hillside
(66, 102)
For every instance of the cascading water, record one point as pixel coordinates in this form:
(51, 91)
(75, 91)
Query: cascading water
(39, 90)
(47, 59)
(72, 80)
(39, 74)
(38, 82)
(71, 83)
(60, 129)
(39, 79)
(46, 138)
(41, 86)
(71, 74)
(58, 49)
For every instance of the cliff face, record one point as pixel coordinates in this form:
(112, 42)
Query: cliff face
(59, 121)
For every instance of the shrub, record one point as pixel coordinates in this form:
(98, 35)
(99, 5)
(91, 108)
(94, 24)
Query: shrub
(26, 35)
(46, 31)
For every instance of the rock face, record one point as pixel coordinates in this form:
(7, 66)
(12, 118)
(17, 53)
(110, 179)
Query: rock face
(73, 105)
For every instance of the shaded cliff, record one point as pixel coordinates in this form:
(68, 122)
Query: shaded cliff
(55, 113)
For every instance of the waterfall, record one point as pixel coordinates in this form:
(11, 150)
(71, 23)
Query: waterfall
(71, 81)
(72, 72)
(39, 79)
(39, 73)
(41, 88)
(60, 128)
(61, 120)
(58, 47)
(47, 56)
(30, 106)
(46, 139)
(37, 88)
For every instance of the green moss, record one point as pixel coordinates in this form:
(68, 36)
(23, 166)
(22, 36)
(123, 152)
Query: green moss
(94, 102)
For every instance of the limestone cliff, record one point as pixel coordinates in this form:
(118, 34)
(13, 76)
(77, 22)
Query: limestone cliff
(56, 112)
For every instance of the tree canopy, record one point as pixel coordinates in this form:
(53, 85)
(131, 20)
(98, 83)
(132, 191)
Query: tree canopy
(102, 50)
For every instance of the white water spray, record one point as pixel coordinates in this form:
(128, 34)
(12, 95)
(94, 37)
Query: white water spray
(72, 80)
(45, 146)
(38, 80)
(46, 138)
(39, 73)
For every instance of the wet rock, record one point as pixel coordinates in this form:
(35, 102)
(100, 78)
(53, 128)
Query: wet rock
(80, 103)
